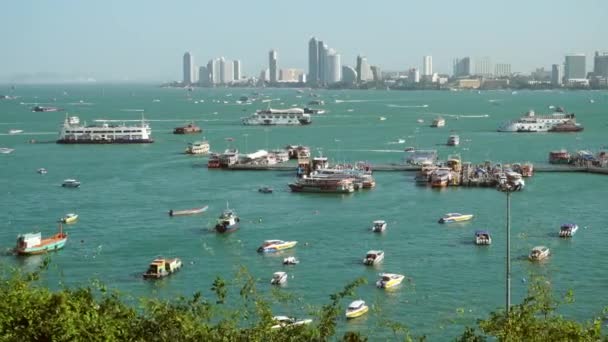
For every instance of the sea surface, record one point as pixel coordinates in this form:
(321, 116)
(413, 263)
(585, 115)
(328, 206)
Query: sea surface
(127, 190)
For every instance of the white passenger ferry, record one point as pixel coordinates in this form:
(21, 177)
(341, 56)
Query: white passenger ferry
(290, 116)
(105, 132)
(531, 122)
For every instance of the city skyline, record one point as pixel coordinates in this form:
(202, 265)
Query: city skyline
(110, 45)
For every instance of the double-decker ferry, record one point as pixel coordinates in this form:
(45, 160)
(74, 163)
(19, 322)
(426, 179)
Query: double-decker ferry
(531, 122)
(323, 185)
(105, 132)
(290, 116)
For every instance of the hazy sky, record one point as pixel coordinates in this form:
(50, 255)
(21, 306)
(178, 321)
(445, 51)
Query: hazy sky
(145, 40)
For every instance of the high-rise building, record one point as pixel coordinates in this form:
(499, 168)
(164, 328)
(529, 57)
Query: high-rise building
(322, 51)
(226, 71)
(427, 66)
(272, 66)
(203, 76)
(376, 73)
(313, 61)
(290, 75)
(236, 69)
(462, 67)
(334, 67)
(575, 67)
(413, 75)
(349, 75)
(213, 67)
(483, 67)
(556, 75)
(265, 75)
(502, 69)
(364, 71)
(600, 64)
(188, 68)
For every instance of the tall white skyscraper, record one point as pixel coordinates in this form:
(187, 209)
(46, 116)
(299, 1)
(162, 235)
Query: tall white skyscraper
(188, 68)
(272, 66)
(427, 66)
(236, 68)
(322, 51)
(556, 75)
(413, 75)
(334, 67)
(313, 61)
(226, 71)
(213, 68)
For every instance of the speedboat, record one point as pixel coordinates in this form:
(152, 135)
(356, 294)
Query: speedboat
(482, 237)
(438, 122)
(291, 261)
(271, 246)
(373, 257)
(389, 280)
(227, 222)
(284, 321)
(265, 190)
(69, 218)
(379, 226)
(6, 150)
(70, 183)
(539, 253)
(356, 309)
(193, 211)
(568, 229)
(279, 278)
(15, 131)
(455, 217)
(42, 171)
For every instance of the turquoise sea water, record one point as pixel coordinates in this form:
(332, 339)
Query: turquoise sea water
(127, 190)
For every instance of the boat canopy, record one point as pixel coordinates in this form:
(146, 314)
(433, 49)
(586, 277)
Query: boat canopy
(356, 304)
(482, 232)
(568, 225)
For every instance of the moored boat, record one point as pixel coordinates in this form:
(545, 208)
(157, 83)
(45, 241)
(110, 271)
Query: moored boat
(190, 128)
(539, 253)
(389, 280)
(568, 229)
(455, 217)
(271, 246)
(70, 183)
(482, 237)
(279, 278)
(567, 126)
(441, 177)
(356, 309)
(69, 218)
(227, 222)
(379, 226)
(373, 257)
(559, 157)
(285, 321)
(33, 243)
(184, 212)
(197, 147)
(527, 170)
(323, 185)
(160, 268)
(214, 161)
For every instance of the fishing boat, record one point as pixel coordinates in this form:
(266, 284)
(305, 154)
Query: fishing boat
(279, 278)
(69, 218)
(539, 253)
(193, 211)
(373, 257)
(379, 226)
(190, 128)
(291, 261)
(482, 237)
(42, 171)
(6, 150)
(438, 122)
(271, 246)
(228, 221)
(356, 309)
(389, 280)
(453, 140)
(455, 217)
(197, 147)
(559, 157)
(70, 183)
(33, 243)
(568, 229)
(285, 321)
(160, 268)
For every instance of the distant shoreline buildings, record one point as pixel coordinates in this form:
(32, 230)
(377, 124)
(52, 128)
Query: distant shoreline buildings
(326, 70)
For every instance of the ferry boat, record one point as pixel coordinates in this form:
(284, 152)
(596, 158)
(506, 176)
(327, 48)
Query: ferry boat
(46, 109)
(33, 243)
(567, 230)
(323, 185)
(423, 177)
(567, 126)
(559, 157)
(214, 161)
(453, 140)
(290, 116)
(197, 147)
(105, 132)
(160, 268)
(530, 122)
(229, 157)
(539, 253)
(356, 309)
(285, 321)
(291, 261)
(279, 278)
(438, 122)
(70, 183)
(455, 217)
(389, 280)
(373, 257)
(378, 226)
(482, 237)
(361, 175)
(228, 221)
(69, 218)
(190, 128)
(193, 211)
(271, 246)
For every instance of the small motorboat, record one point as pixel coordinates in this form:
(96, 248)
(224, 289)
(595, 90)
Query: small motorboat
(379, 226)
(33, 243)
(567, 230)
(265, 190)
(409, 149)
(389, 280)
(539, 253)
(382, 118)
(69, 218)
(373, 257)
(42, 171)
(439, 122)
(482, 237)
(279, 278)
(455, 217)
(356, 309)
(453, 140)
(6, 150)
(228, 222)
(70, 183)
(15, 131)
(193, 211)
(160, 268)
(271, 246)
(284, 321)
(291, 261)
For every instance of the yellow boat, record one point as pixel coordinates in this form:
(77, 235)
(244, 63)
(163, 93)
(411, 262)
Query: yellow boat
(455, 217)
(69, 218)
(271, 246)
(356, 309)
(389, 280)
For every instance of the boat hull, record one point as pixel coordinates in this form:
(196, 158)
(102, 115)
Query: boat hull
(357, 313)
(56, 244)
(221, 228)
(105, 141)
(318, 189)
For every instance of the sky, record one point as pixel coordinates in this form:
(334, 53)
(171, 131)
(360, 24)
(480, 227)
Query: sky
(137, 40)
